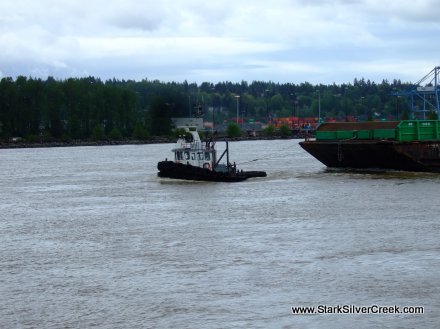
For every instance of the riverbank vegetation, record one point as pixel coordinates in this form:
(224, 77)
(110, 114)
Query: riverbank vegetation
(91, 109)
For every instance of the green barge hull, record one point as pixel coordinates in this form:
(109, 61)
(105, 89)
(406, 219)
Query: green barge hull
(410, 145)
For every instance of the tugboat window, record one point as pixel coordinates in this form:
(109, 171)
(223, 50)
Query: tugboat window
(193, 156)
(200, 155)
(186, 155)
(179, 156)
(207, 156)
(189, 138)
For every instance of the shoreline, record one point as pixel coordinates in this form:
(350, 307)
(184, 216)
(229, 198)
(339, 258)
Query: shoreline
(152, 140)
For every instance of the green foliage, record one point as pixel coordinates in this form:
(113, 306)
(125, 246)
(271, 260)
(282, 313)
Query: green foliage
(98, 133)
(178, 132)
(233, 130)
(115, 134)
(285, 131)
(42, 137)
(140, 132)
(269, 130)
(66, 138)
(160, 117)
(33, 138)
(74, 107)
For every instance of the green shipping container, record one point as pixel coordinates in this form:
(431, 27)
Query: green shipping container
(407, 130)
(413, 130)
(384, 134)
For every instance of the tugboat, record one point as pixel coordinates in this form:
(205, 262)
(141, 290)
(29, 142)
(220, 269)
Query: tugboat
(197, 160)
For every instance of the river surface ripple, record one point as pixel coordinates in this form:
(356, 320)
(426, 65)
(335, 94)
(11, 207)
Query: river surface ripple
(91, 237)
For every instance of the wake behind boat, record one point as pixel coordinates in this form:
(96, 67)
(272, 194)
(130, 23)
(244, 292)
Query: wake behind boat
(197, 160)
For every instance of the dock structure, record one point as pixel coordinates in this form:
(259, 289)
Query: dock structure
(425, 95)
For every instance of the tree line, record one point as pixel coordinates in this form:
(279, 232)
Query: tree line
(89, 108)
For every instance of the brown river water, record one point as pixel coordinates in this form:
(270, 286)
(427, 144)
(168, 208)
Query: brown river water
(91, 237)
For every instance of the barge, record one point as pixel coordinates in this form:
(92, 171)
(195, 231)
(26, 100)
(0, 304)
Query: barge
(408, 145)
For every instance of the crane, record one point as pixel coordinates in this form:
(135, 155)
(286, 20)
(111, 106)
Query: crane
(424, 96)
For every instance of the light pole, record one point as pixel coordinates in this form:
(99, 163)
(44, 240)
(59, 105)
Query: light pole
(344, 89)
(213, 119)
(292, 96)
(319, 106)
(266, 92)
(362, 108)
(237, 97)
(189, 106)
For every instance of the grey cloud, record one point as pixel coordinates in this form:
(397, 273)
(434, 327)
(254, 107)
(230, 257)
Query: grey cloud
(330, 40)
(136, 21)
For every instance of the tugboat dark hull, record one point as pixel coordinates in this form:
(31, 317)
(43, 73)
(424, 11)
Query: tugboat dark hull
(419, 156)
(170, 169)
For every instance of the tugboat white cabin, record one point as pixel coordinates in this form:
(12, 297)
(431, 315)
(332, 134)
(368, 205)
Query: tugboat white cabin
(190, 150)
(197, 160)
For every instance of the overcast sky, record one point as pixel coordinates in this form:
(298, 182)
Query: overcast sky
(318, 41)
